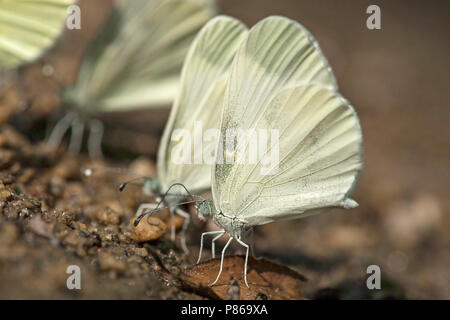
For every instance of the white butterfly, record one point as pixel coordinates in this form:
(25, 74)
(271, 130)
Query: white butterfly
(28, 28)
(280, 80)
(133, 64)
(201, 91)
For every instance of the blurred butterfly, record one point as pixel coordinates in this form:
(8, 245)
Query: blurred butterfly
(199, 98)
(280, 80)
(28, 28)
(133, 64)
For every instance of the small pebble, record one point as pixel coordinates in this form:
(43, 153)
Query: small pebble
(149, 228)
(40, 227)
(106, 216)
(108, 262)
(5, 195)
(141, 252)
(72, 239)
(26, 175)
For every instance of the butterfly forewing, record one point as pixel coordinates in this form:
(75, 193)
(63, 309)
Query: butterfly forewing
(281, 81)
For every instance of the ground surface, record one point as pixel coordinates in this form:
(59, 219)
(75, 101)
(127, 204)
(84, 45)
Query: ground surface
(397, 79)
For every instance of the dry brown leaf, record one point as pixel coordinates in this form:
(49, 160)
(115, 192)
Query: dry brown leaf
(265, 278)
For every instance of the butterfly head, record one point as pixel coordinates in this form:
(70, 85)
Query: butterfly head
(204, 208)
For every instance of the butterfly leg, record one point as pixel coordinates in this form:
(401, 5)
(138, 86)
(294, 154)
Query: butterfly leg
(187, 219)
(246, 258)
(60, 129)
(213, 244)
(96, 130)
(76, 138)
(201, 242)
(172, 224)
(221, 261)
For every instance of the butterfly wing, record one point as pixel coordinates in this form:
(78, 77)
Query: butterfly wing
(281, 81)
(136, 60)
(29, 27)
(199, 100)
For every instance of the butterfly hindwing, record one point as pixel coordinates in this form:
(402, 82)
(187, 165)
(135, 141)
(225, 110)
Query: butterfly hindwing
(135, 62)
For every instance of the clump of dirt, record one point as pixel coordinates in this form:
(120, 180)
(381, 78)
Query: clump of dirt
(150, 228)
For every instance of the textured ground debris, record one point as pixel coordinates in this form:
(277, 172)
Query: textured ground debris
(51, 217)
(267, 280)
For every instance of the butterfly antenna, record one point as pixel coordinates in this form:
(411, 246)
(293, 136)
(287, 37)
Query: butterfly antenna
(90, 171)
(150, 212)
(124, 184)
(192, 196)
(157, 208)
(143, 214)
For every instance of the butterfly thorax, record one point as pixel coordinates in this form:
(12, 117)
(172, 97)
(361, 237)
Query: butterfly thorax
(231, 224)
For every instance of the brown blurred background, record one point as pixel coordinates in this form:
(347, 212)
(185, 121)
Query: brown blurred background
(398, 80)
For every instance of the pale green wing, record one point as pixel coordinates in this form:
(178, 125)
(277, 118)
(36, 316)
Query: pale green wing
(277, 53)
(318, 162)
(199, 100)
(136, 60)
(276, 68)
(28, 28)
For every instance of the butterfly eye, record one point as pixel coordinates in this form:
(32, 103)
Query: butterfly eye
(205, 208)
